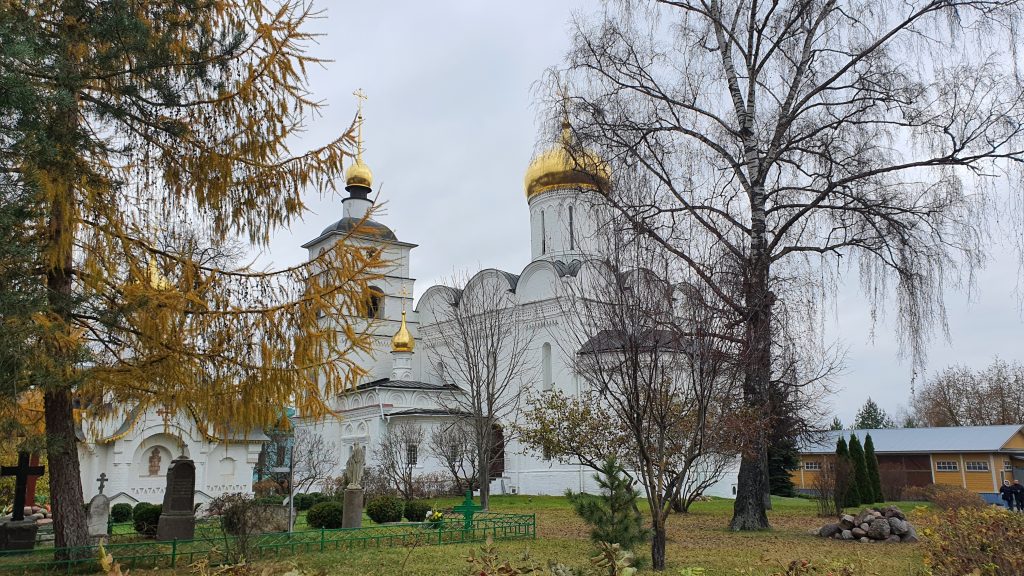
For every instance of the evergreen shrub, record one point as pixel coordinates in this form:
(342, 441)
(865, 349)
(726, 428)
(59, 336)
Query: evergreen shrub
(121, 512)
(302, 502)
(272, 500)
(852, 496)
(325, 515)
(614, 515)
(307, 501)
(874, 477)
(860, 471)
(416, 510)
(145, 517)
(385, 509)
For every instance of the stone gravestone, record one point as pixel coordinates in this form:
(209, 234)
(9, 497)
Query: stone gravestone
(18, 533)
(178, 518)
(352, 516)
(99, 512)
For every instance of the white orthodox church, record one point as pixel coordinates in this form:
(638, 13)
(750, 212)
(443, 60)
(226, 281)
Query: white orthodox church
(404, 385)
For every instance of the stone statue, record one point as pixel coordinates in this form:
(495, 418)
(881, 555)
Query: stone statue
(154, 462)
(354, 467)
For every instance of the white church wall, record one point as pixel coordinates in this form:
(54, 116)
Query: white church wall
(538, 281)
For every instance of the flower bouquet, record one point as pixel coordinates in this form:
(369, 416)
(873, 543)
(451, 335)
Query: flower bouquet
(434, 518)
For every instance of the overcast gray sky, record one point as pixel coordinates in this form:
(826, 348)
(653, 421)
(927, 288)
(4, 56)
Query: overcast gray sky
(451, 127)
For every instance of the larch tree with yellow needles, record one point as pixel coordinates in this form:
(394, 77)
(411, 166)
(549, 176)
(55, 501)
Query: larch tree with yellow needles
(154, 134)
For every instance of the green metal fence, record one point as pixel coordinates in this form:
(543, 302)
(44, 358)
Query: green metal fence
(180, 553)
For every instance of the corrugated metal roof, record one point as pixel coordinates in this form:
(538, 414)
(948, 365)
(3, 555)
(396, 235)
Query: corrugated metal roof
(920, 440)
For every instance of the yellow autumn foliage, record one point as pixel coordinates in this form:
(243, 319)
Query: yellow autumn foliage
(168, 147)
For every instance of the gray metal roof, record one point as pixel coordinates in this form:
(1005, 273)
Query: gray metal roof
(365, 227)
(648, 340)
(403, 384)
(920, 440)
(426, 412)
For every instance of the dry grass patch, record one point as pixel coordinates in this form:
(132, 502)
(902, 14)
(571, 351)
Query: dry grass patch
(696, 540)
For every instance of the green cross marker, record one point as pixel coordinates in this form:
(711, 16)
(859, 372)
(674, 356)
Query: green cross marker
(467, 508)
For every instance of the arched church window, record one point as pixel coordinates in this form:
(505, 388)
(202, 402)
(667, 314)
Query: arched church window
(543, 235)
(440, 372)
(374, 303)
(545, 353)
(572, 231)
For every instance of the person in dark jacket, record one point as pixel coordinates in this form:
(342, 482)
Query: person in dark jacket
(1018, 495)
(1006, 493)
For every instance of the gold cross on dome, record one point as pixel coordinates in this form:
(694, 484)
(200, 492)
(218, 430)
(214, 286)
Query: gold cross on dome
(404, 294)
(361, 96)
(359, 121)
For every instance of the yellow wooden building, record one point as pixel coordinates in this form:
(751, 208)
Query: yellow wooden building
(978, 458)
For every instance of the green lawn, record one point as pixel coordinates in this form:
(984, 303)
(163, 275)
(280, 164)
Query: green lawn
(696, 540)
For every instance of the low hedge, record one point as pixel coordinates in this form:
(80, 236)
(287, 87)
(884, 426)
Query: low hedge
(416, 510)
(121, 512)
(306, 501)
(385, 509)
(145, 517)
(325, 515)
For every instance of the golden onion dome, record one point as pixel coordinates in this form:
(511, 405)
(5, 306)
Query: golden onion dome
(403, 340)
(557, 169)
(359, 174)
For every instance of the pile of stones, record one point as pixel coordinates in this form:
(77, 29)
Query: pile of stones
(887, 524)
(39, 514)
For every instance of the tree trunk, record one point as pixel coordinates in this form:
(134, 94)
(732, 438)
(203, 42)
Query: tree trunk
(69, 521)
(749, 511)
(69, 525)
(484, 474)
(658, 546)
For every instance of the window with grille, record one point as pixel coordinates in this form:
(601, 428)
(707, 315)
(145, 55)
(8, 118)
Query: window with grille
(812, 465)
(1007, 466)
(411, 454)
(947, 466)
(976, 466)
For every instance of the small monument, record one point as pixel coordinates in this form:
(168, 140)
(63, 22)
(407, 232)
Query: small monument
(99, 512)
(352, 517)
(18, 533)
(178, 518)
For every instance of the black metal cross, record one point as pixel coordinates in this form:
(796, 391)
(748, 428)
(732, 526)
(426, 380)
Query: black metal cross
(21, 472)
(102, 480)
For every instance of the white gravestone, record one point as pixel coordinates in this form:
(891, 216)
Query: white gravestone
(99, 512)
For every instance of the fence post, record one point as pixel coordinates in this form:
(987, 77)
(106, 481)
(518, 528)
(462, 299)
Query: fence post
(322, 537)
(174, 553)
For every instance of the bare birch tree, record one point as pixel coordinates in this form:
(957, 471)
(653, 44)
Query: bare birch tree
(805, 138)
(481, 346)
(452, 444)
(314, 459)
(660, 383)
(399, 451)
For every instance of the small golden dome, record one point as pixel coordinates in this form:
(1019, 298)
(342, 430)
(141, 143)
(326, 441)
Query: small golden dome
(402, 340)
(556, 169)
(359, 174)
